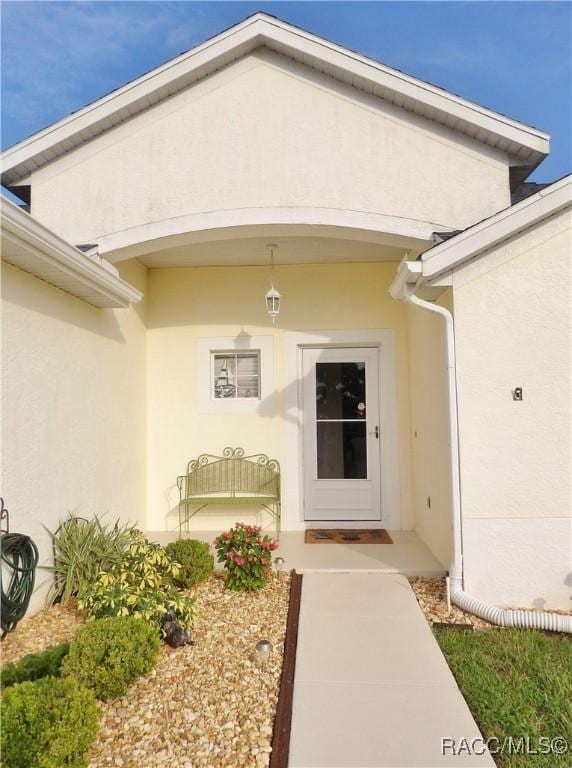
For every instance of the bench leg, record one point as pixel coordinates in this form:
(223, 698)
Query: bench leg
(278, 515)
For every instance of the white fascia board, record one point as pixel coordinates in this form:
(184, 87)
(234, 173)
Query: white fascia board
(526, 145)
(408, 273)
(420, 91)
(30, 246)
(466, 245)
(243, 222)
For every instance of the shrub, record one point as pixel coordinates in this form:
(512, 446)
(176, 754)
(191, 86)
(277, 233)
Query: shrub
(49, 723)
(82, 549)
(246, 554)
(141, 584)
(196, 562)
(35, 666)
(109, 654)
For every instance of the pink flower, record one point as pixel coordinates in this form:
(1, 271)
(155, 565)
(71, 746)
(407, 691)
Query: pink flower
(239, 561)
(275, 545)
(230, 555)
(251, 559)
(265, 545)
(262, 560)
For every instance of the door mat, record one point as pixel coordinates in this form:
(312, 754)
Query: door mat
(346, 536)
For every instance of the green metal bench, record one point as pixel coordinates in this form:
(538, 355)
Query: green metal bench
(232, 478)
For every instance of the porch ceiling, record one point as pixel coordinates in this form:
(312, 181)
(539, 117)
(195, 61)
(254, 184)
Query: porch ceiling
(254, 252)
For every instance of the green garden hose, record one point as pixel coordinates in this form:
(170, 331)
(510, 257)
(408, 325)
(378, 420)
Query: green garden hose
(19, 555)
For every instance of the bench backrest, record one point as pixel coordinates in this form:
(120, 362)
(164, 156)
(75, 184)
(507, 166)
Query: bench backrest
(231, 473)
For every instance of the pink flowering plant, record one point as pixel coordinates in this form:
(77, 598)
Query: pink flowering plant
(247, 556)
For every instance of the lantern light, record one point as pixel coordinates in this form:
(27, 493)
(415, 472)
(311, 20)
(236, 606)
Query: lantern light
(272, 297)
(273, 303)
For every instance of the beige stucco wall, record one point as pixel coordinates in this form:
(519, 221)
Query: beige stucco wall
(513, 329)
(186, 305)
(73, 407)
(430, 429)
(266, 132)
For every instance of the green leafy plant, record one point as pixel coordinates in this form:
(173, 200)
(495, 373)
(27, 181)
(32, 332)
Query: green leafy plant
(107, 655)
(140, 584)
(196, 562)
(35, 666)
(82, 549)
(246, 553)
(49, 723)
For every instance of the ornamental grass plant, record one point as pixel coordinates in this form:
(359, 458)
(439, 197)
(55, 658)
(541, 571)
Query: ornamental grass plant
(83, 548)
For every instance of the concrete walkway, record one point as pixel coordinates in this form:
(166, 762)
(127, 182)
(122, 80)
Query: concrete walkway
(372, 687)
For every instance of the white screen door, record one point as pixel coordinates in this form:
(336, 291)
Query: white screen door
(341, 434)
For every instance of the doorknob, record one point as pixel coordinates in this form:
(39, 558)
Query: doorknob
(375, 432)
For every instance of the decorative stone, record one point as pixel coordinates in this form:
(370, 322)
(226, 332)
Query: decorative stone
(204, 705)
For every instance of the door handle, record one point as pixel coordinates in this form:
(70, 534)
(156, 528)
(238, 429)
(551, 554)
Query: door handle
(375, 432)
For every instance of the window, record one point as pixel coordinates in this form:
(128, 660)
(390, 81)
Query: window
(235, 375)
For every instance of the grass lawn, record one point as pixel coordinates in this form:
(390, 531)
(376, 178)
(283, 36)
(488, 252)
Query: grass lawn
(517, 683)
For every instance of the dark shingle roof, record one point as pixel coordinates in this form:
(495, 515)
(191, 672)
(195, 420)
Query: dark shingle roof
(526, 189)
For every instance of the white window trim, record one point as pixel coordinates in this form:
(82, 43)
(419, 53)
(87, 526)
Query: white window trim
(264, 345)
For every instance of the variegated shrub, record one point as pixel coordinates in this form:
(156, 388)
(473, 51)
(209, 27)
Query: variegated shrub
(141, 584)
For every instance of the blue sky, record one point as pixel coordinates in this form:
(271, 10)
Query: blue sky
(515, 57)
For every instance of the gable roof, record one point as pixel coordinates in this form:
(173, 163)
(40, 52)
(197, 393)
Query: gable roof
(456, 251)
(526, 146)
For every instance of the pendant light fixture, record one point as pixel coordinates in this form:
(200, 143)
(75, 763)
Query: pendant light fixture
(272, 297)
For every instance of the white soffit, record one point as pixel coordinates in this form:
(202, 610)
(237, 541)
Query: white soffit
(488, 233)
(525, 145)
(28, 245)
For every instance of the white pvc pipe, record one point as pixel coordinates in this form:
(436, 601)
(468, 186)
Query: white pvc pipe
(504, 617)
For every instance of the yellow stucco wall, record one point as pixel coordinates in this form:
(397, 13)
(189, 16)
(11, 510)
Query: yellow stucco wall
(267, 132)
(430, 429)
(185, 305)
(73, 407)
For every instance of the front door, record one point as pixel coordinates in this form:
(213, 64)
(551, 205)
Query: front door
(341, 434)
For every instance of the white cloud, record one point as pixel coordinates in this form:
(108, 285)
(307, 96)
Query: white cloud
(58, 56)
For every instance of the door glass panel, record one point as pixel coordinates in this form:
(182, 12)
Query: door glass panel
(342, 450)
(340, 391)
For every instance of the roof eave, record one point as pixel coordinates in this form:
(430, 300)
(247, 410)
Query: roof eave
(30, 246)
(455, 252)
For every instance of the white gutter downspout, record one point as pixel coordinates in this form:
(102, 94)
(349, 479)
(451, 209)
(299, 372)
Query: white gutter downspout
(505, 617)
